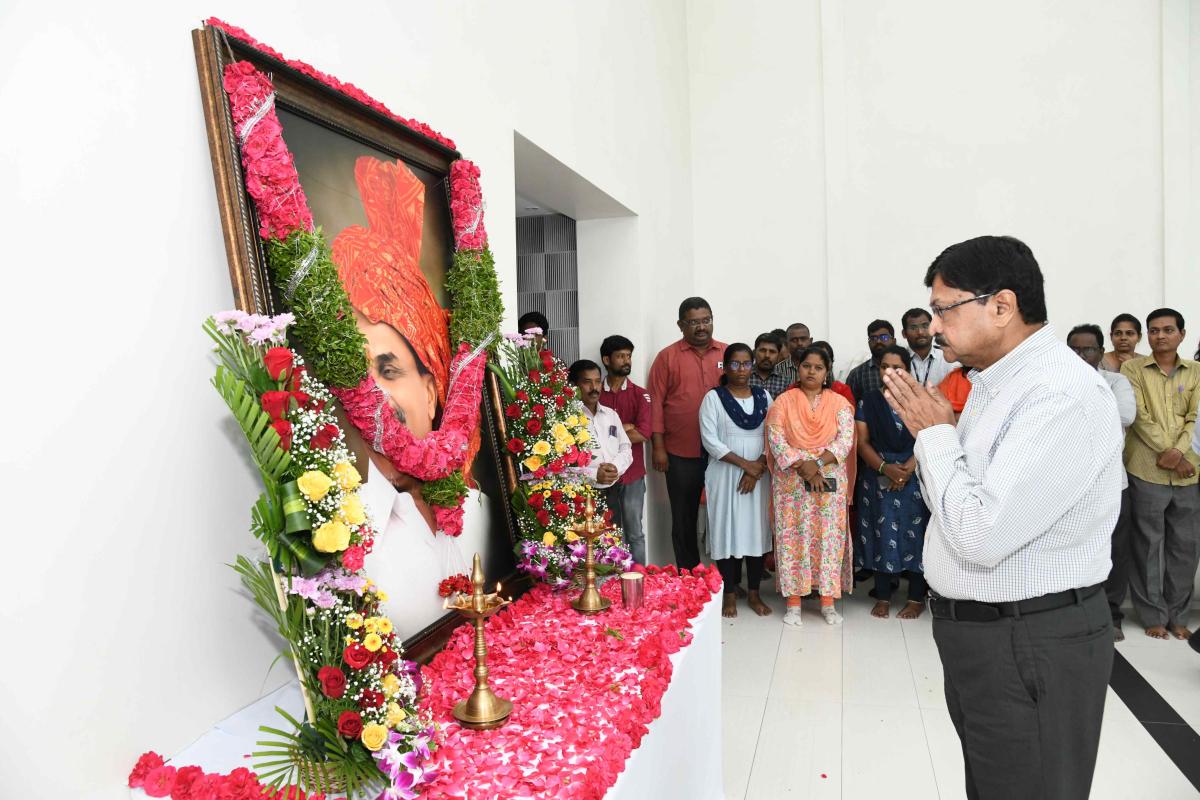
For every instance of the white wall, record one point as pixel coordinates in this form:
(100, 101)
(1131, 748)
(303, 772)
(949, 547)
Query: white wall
(839, 147)
(127, 493)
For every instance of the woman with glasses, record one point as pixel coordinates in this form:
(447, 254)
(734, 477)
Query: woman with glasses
(891, 514)
(736, 483)
(1126, 333)
(810, 432)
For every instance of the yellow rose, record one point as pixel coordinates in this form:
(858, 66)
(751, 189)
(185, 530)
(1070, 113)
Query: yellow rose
(572, 537)
(372, 642)
(541, 448)
(391, 684)
(560, 446)
(533, 463)
(582, 436)
(354, 621)
(332, 537)
(314, 484)
(374, 736)
(395, 714)
(371, 624)
(347, 476)
(385, 625)
(352, 511)
(549, 539)
(572, 420)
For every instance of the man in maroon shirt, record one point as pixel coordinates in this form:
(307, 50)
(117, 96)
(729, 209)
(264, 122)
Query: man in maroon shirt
(632, 404)
(682, 374)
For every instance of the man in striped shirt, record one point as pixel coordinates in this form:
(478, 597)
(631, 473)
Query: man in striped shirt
(1023, 495)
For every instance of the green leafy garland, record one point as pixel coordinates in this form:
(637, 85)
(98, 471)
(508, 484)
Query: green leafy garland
(475, 297)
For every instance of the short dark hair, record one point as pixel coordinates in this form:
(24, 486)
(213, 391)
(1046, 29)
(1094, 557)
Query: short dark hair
(693, 303)
(897, 350)
(826, 346)
(795, 325)
(1088, 327)
(1130, 318)
(533, 319)
(576, 370)
(612, 344)
(1166, 312)
(781, 333)
(989, 264)
(813, 349)
(881, 323)
(913, 313)
(736, 347)
(770, 337)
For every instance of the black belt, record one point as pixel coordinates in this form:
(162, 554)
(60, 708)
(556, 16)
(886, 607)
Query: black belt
(975, 611)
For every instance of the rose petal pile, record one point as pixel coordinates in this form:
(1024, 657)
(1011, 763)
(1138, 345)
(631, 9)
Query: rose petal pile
(583, 693)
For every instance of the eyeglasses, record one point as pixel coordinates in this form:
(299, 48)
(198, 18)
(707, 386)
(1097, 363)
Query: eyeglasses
(940, 311)
(1089, 349)
(882, 338)
(695, 323)
(738, 365)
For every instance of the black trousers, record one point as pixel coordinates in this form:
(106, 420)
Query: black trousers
(1027, 697)
(731, 572)
(1117, 585)
(685, 482)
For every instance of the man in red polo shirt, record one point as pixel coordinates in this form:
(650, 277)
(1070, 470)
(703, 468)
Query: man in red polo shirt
(632, 404)
(682, 374)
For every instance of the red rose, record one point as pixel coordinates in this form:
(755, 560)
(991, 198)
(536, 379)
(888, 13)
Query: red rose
(276, 403)
(324, 436)
(539, 473)
(537, 500)
(352, 558)
(370, 699)
(350, 724)
(534, 375)
(543, 517)
(569, 393)
(579, 504)
(556, 496)
(560, 401)
(512, 411)
(608, 515)
(533, 426)
(585, 458)
(547, 391)
(333, 681)
(284, 429)
(515, 446)
(546, 355)
(356, 656)
(557, 465)
(561, 509)
(523, 395)
(159, 782)
(548, 361)
(145, 763)
(277, 360)
(302, 398)
(185, 777)
(387, 656)
(297, 377)
(539, 411)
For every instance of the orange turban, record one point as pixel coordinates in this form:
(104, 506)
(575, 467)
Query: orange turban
(380, 265)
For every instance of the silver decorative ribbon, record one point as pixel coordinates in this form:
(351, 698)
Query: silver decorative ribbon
(300, 274)
(474, 354)
(264, 107)
(377, 442)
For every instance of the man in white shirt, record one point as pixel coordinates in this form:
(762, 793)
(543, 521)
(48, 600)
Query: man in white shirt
(1023, 496)
(1088, 343)
(929, 365)
(614, 451)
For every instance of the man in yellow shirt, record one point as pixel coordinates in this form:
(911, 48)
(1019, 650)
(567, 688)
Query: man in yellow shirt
(1163, 495)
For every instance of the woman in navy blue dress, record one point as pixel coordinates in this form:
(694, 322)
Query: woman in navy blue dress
(891, 514)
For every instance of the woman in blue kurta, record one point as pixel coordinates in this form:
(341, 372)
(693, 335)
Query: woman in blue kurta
(891, 514)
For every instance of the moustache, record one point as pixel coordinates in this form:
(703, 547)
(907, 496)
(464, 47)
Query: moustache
(939, 342)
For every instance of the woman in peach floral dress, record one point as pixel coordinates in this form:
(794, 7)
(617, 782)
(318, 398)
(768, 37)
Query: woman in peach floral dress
(810, 432)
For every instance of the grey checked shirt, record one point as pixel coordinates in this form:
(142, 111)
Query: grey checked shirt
(1025, 491)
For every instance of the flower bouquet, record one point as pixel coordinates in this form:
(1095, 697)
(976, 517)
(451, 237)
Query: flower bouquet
(550, 441)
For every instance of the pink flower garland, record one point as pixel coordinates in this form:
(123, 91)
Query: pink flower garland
(466, 206)
(158, 779)
(583, 694)
(348, 89)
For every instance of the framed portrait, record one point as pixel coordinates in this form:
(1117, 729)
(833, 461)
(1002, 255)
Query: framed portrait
(378, 190)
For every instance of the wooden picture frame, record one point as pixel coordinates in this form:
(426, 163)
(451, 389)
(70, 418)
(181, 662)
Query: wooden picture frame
(301, 95)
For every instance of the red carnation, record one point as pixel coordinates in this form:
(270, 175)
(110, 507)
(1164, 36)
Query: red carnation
(556, 496)
(333, 681)
(159, 782)
(515, 446)
(145, 763)
(185, 777)
(543, 517)
(534, 425)
(539, 411)
(539, 473)
(277, 360)
(560, 401)
(513, 411)
(356, 656)
(537, 500)
(284, 429)
(352, 558)
(324, 436)
(534, 375)
(350, 724)
(370, 699)
(523, 395)
(557, 465)
(276, 404)
(547, 391)
(585, 458)
(561, 509)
